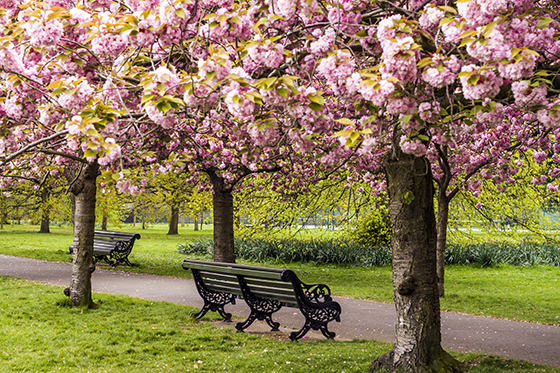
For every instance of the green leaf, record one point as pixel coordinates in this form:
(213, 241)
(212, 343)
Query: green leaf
(447, 9)
(466, 41)
(408, 197)
(362, 33)
(58, 91)
(473, 79)
(342, 133)
(315, 107)
(318, 99)
(345, 121)
(426, 61)
(282, 92)
(445, 21)
(90, 153)
(146, 98)
(545, 22)
(180, 13)
(405, 119)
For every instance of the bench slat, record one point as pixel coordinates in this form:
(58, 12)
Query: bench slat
(112, 247)
(225, 268)
(265, 290)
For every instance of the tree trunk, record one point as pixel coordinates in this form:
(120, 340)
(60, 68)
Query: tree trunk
(442, 222)
(84, 189)
(70, 174)
(196, 223)
(174, 221)
(45, 211)
(104, 220)
(418, 330)
(224, 250)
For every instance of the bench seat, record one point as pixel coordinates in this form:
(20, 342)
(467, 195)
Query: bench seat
(265, 290)
(112, 247)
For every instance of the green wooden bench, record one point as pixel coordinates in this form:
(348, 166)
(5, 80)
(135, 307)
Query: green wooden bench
(112, 247)
(265, 290)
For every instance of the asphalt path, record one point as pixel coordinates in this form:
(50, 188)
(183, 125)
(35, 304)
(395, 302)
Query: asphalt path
(360, 319)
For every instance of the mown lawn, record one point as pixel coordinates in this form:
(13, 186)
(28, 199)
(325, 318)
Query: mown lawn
(516, 293)
(41, 333)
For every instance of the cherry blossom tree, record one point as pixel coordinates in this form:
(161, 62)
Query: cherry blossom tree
(234, 87)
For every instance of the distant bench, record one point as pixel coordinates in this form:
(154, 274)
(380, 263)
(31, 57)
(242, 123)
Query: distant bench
(265, 290)
(112, 247)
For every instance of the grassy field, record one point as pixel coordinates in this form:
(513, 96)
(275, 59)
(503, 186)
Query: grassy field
(516, 293)
(41, 333)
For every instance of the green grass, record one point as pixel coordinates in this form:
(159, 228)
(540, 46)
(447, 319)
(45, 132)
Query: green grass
(516, 293)
(41, 333)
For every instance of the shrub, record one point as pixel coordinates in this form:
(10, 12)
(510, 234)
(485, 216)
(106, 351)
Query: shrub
(492, 254)
(291, 250)
(343, 251)
(373, 229)
(197, 247)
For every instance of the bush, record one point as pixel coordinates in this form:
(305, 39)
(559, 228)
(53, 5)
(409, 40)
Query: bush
(373, 229)
(291, 250)
(525, 254)
(342, 251)
(197, 247)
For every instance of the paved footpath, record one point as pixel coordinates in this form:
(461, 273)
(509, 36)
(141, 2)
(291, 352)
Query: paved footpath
(359, 319)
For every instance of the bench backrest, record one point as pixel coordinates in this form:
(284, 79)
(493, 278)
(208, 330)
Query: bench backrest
(118, 236)
(263, 282)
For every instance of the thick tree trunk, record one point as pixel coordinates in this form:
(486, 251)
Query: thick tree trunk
(174, 221)
(442, 222)
(45, 211)
(196, 223)
(84, 189)
(224, 250)
(418, 330)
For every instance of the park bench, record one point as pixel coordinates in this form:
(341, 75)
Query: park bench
(265, 290)
(112, 247)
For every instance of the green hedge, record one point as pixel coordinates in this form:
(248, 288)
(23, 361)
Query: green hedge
(343, 251)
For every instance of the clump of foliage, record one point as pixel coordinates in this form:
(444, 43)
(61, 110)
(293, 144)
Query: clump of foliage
(525, 254)
(373, 229)
(341, 251)
(197, 247)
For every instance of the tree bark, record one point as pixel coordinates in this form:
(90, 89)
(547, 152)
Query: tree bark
(174, 221)
(104, 221)
(442, 223)
(196, 223)
(70, 174)
(45, 211)
(84, 189)
(418, 330)
(224, 249)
